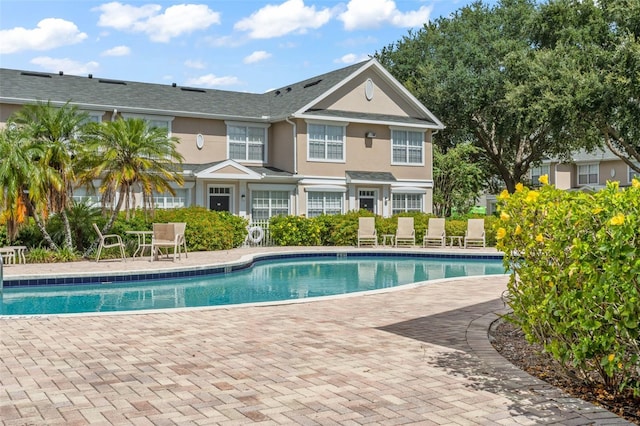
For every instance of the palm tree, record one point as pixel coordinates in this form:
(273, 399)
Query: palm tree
(55, 131)
(133, 156)
(22, 181)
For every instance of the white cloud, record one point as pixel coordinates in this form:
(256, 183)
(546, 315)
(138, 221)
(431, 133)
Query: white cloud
(367, 14)
(198, 65)
(69, 66)
(49, 34)
(211, 80)
(352, 58)
(292, 16)
(257, 56)
(117, 51)
(161, 27)
(223, 41)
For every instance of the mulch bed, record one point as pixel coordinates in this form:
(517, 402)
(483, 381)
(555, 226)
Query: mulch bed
(509, 341)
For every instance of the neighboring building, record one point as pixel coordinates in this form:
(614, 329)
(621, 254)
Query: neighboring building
(586, 171)
(349, 139)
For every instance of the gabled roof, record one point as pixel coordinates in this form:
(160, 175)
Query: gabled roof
(298, 99)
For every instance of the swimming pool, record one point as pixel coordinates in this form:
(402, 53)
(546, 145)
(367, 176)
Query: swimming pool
(264, 280)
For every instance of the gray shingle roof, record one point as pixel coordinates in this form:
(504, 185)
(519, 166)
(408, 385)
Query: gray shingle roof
(129, 96)
(102, 94)
(370, 176)
(25, 86)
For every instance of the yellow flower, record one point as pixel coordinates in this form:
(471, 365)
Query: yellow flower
(617, 219)
(635, 183)
(519, 187)
(596, 210)
(518, 230)
(611, 357)
(504, 195)
(539, 238)
(620, 365)
(532, 196)
(505, 216)
(544, 179)
(501, 233)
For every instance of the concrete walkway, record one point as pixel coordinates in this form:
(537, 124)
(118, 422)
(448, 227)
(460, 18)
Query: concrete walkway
(417, 355)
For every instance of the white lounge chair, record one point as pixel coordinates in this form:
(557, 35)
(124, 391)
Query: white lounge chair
(405, 233)
(367, 231)
(435, 234)
(108, 241)
(475, 233)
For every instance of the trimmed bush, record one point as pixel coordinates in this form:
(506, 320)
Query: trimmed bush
(575, 286)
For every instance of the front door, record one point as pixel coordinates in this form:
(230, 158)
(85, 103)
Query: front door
(219, 203)
(220, 199)
(366, 204)
(367, 200)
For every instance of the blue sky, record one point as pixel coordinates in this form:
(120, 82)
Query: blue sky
(239, 45)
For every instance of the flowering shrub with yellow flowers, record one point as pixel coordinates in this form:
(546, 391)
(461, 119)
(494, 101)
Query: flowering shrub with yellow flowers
(575, 282)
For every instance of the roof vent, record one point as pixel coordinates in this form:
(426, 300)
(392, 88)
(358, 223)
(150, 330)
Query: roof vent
(35, 74)
(173, 85)
(277, 92)
(104, 80)
(313, 83)
(60, 72)
(288, 89)
(193, 89)
(90, 75)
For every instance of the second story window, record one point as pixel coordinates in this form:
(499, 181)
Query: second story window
(408, 147)
(587, 174)
(326, 142)
(246, 143)
(536, 172)
(632, 174)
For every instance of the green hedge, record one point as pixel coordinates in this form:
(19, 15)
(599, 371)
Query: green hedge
(575, 286)
(342, 229)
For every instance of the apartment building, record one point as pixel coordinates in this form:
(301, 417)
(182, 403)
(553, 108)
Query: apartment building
(350, 139)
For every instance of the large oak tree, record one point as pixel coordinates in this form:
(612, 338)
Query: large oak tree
(473, 70)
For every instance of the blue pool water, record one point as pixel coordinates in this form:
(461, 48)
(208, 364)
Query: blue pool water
(265, 280)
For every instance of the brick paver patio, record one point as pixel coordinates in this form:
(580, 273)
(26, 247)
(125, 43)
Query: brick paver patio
(412, 356)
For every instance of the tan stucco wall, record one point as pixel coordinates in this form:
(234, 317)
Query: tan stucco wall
(5, 111)
(215, 139)
(281, 146)
(564, 178)
(362, 154)
(386, 99)
(619, 169)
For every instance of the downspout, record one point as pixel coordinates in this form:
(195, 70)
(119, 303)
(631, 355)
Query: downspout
(295, 145)
(295, 159)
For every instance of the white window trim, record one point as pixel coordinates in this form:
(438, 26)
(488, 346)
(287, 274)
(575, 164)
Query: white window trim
(264, 126)
(335, 190)
(408, 191)
(149, 117)
(542, 172)
(588, 165)
(344, 141)
(272, 188)
(413, 130)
